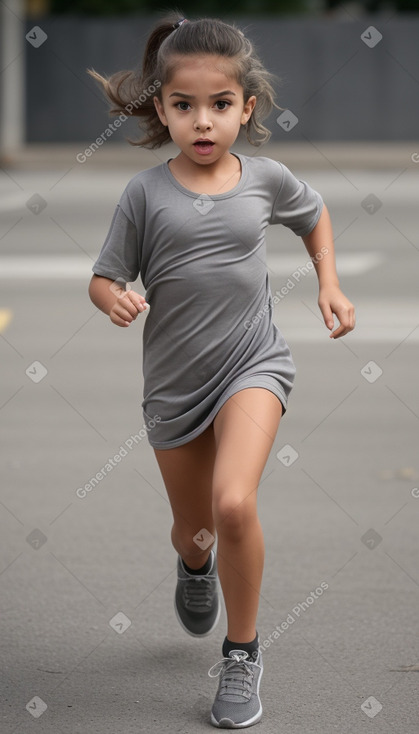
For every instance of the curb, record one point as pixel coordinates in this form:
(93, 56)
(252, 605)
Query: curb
(319, 155)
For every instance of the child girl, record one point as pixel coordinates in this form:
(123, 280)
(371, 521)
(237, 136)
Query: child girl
(217, 371)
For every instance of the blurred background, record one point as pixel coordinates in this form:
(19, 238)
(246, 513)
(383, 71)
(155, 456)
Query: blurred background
(339, 87)
(339, 498)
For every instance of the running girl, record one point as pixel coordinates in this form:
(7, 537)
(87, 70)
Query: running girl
(194, 228)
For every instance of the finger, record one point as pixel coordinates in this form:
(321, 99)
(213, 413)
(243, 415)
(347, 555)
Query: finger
(138, 301)
(343, 328)
(125, 307)
(123, 315)
(327, 315)
(118, 320)
(340, 331)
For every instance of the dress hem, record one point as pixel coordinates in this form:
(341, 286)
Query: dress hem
(267, 382)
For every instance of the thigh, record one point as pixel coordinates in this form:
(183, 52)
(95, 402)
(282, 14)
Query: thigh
(244, 431)
(187, 473)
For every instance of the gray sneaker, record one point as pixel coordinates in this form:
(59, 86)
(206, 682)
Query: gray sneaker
(197, 602)
(237, 703)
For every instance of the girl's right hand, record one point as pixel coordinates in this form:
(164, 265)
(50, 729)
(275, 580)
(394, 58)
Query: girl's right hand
(126, 309)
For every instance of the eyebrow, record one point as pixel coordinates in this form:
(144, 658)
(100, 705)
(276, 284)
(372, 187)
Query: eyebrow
(191, 96)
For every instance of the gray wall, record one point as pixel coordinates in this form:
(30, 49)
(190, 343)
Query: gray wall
(338, 87)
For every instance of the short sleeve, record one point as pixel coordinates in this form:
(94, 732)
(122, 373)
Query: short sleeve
(296, 205)
(119, 258)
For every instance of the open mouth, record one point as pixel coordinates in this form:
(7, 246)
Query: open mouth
(203, 146)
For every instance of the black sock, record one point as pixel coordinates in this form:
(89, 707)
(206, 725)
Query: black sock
(206, 568)
(250, 647)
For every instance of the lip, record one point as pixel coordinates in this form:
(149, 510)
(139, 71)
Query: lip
(206, 146)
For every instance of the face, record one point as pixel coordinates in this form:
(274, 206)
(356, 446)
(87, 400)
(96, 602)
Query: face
(203, 107)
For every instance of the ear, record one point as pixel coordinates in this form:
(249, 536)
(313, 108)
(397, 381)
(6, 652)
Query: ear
(248, 109)
(160, 111)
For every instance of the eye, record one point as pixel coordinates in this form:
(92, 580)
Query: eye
(182, 106)
(222, 104)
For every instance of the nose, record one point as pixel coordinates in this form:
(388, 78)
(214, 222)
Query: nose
(202, 121)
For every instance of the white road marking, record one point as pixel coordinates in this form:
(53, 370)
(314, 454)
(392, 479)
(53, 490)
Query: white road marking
(69, 267)
(45, 268)
(381, 333)
(13, 202)
(386, 321)
(348, 264)
(377, 320)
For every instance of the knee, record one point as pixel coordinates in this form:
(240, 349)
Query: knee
(233, 514)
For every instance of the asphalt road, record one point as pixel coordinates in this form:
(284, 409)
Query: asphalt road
(90, 642)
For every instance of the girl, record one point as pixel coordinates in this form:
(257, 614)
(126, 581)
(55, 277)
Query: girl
(217, 371)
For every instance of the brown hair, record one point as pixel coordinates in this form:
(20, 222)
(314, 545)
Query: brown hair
(132, 92)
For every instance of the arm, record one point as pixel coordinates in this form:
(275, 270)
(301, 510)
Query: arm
(320, 247)
(120, 305)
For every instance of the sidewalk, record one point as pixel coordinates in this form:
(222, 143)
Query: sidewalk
(311, 155)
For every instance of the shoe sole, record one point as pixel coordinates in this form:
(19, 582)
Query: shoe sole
(229, 724)
(203, 634)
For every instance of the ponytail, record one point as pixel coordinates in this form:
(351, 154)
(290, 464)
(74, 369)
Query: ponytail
(131, 92)
(156, 38)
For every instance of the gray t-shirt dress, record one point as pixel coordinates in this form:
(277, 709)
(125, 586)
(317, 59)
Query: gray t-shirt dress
(202, 260)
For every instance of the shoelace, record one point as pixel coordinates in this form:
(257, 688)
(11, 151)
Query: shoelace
(236, 675)
(198, 592)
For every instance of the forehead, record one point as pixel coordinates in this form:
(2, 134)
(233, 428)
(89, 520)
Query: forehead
(202, 72)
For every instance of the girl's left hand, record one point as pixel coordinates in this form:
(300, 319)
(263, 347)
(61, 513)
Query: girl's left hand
(333, 301)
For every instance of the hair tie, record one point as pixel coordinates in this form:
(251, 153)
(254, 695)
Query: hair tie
(179, 23)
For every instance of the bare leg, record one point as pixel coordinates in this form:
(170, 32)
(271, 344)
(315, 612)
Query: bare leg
(212, 483)
(244, 431)
(187, 474)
